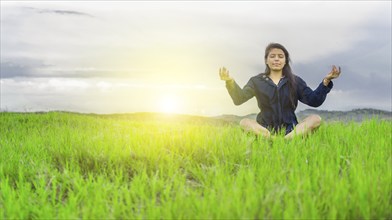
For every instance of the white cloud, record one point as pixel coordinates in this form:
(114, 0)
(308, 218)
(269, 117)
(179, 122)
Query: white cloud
(223, 28)
(175, 46)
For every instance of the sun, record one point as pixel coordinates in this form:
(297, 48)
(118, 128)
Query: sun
(170, 104)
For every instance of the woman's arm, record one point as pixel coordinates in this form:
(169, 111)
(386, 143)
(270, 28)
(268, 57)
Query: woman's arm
(237, 94)
(315, 98)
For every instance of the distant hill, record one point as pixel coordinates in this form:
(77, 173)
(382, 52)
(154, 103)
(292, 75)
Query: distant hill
(356, 115)
(163, 117)
(234, 118)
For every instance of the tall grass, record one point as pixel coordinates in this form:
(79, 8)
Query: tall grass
(62, 165)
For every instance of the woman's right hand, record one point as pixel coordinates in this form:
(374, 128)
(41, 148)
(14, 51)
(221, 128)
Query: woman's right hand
(224, 74)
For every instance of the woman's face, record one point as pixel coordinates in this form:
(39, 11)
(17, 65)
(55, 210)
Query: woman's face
(276, 59)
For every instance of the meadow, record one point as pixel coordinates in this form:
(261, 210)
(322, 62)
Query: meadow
(75, 166)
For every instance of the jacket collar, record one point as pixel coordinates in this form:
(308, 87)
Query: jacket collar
(282, 81)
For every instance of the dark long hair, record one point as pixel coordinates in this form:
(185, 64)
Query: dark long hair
(286, 70)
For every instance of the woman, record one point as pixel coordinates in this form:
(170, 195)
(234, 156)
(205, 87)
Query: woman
(277, 92)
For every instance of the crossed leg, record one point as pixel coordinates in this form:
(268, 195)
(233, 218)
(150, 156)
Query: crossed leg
(308, 125)
(250, 125)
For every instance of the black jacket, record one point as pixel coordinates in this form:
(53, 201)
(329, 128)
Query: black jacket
(276, 110)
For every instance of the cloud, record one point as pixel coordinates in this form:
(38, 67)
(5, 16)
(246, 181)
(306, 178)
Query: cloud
(59, 12)
(33, 68)
(181, 43)
(173, 36)
(102, 95)
(366, 79)
(366, 64)
(21, 68)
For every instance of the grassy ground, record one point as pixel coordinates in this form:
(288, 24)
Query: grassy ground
(62, 165)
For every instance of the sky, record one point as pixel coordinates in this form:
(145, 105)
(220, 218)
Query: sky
(164, 56)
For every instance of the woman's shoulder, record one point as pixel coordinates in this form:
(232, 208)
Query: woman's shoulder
(298, 77)
(259, 76)
(299, 81)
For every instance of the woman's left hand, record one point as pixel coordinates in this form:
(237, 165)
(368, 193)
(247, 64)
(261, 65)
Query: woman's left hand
(335, 72)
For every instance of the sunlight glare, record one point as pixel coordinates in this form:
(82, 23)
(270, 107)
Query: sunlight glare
(169, 104)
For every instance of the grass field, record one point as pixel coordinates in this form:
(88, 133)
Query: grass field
(63, 165)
